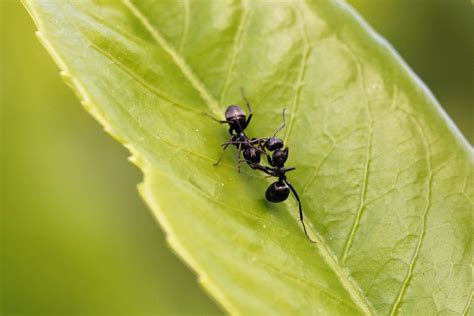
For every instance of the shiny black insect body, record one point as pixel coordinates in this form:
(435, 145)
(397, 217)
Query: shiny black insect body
(237, 120)
(279, 190)
(253, 148)
(273, 143)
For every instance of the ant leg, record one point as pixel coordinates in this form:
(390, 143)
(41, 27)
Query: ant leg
(224, 147)
(222, 155)
(248, 106)
(248, 142)
(260, 141)
(239, 150)
(282, 125)
(300, 209)
(259, 144)
(231, 142)
(270, 161)
(263, 152)
(265, 169)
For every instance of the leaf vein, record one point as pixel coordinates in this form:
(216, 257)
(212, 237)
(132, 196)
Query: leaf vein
(301, 77)
(179, 61)
(142, 82)
(236, 50)
(314, 285)
(124, 68)
(424, 216)
(468, 305)
(365, 176)
(185, 26)
(317, 169)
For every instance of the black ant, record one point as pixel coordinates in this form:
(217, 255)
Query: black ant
(279, 190)
(238, 122)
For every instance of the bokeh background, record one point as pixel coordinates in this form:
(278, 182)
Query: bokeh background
(75, 236)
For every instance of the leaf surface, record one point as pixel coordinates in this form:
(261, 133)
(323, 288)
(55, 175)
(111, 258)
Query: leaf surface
(385, 178)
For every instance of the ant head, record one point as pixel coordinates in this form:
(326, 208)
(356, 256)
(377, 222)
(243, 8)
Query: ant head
(274, 143)
(279, 157)
(235, 117)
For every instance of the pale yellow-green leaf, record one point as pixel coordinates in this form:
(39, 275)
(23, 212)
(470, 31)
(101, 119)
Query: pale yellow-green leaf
(384, 176)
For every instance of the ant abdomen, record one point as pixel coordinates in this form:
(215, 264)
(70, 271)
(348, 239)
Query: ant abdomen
(277, 192)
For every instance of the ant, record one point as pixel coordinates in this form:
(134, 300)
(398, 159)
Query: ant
(253, 148)
(238, 122)
(279, 190)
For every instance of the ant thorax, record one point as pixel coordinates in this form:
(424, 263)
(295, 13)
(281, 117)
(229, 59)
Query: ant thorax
(240, 137)
(280, 173)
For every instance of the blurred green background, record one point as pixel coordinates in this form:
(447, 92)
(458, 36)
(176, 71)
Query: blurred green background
(75, 236)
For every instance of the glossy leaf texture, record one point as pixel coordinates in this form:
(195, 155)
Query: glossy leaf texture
(385, 178)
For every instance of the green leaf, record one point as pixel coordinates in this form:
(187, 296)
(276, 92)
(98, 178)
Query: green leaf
(385, 178)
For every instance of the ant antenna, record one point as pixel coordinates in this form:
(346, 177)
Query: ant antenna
(213, 118)
(282, 125)
(248, 106)
(242, 91)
